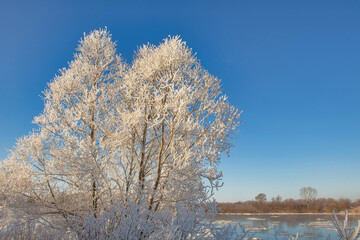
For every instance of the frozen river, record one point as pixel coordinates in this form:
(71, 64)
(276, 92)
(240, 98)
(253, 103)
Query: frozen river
(308, 226)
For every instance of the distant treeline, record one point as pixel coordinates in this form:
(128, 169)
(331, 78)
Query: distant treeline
(320, 205)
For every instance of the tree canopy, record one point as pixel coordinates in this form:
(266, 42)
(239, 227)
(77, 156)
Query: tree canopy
(123, 139)
(261, 197)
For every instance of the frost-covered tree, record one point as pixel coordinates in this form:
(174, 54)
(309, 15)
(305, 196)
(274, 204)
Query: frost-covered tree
(66, 158)
(122, 146)
(175, 123)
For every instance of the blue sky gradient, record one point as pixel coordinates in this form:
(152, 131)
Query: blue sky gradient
(291, 66)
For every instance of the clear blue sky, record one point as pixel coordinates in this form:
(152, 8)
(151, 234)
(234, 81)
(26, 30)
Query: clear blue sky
(293, 67)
